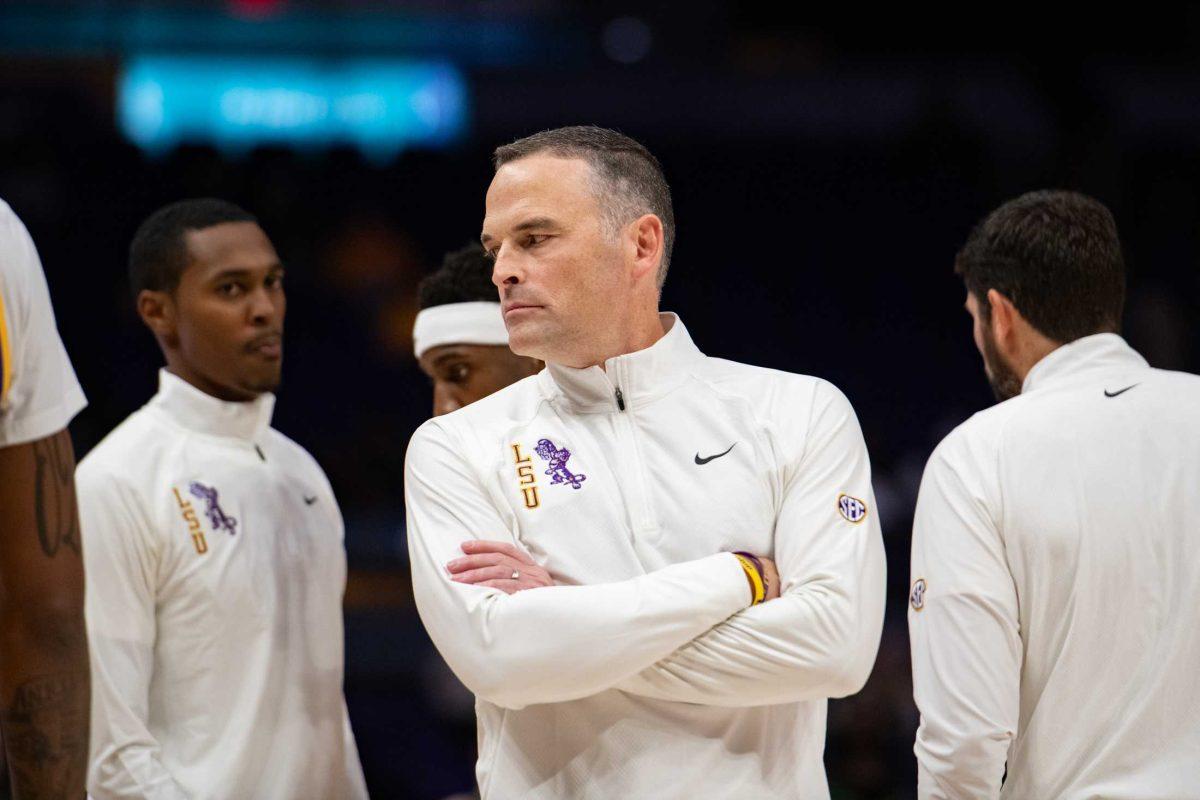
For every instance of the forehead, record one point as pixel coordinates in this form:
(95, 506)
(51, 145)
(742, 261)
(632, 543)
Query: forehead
(229, 245)
(540, 185)
(475, 353)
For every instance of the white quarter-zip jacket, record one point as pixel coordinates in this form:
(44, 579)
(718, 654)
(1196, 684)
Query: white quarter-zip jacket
(644, 674)
(215, 573)
(39, 394)
(1056, 569)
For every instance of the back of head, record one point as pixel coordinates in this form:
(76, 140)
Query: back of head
(464, 277)
(158, 254)
(629, 181)
(1056, 256)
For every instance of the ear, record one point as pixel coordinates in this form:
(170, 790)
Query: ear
(157, 310)
(648, 246)
(1003, 317)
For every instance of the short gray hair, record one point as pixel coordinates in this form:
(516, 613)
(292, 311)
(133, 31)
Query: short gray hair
(629, 181)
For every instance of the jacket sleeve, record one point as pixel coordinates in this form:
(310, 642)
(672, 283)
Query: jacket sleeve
(39, 393)
(963, 628)
(819, 638)
(121, 562)
(556, 643)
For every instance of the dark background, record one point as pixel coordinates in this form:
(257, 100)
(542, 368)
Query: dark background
(825, 169)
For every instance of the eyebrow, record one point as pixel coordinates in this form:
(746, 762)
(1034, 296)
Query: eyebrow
(245, 272)
(449, 355)
(533, 222)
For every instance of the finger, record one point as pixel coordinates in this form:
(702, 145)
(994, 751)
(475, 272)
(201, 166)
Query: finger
(484, 574)
(532, 583)
(535, 576)
(474, 562)
(505, 548)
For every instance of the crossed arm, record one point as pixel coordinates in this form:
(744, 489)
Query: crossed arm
(819, 639)
(683, 633)
(555, 643)
(44, 686)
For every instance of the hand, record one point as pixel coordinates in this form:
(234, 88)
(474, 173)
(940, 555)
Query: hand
(767, 572)
(770, 579)
(489, 563)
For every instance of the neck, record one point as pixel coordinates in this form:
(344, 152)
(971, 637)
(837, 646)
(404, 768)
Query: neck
(1030, 354)
(644, 331)
(209, 387)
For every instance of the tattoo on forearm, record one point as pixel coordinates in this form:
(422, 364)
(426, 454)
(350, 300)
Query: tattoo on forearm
(54, 495)
(45, 736)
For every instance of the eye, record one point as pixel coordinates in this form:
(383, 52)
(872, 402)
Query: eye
(458, 373)
(274, 280)
(534, 239)
(230, 289)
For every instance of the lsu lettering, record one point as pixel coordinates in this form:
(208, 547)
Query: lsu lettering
(526, 479)
(193, 522)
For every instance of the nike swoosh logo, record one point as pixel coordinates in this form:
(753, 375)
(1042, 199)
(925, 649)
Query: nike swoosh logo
(700, 460)
(1107, 393)
(308, 501)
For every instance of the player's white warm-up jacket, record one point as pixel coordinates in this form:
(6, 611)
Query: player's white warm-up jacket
(644, 674)
(38, 391)
(215, 570)
(1054, 617)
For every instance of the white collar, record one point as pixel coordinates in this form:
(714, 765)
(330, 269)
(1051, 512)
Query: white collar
(640, 376)
(198, 411)
(1098, 351)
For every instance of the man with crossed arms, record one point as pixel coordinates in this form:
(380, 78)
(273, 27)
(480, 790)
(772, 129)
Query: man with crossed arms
(632, 469)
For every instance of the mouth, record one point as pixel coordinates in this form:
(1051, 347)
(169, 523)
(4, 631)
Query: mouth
(511, 309)
(268, 346)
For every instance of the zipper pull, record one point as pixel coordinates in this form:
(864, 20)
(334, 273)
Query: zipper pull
(620, 400)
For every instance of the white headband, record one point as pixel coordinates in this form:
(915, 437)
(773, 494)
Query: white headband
(458, 323)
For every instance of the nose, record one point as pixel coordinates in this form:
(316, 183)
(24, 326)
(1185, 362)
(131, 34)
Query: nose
(444, 400)
(264, 306)
(507, 270)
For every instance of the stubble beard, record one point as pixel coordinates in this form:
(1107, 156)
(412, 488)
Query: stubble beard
(1002, 377)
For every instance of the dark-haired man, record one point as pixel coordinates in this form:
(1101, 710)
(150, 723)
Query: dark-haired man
(1056, 561)
(594, 548)
(459, 334)
(43, 643)
(214, 545)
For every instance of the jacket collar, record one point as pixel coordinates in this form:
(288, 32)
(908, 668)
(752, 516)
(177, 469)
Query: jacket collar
(196, 411)
(1100, 351)
(641, 376)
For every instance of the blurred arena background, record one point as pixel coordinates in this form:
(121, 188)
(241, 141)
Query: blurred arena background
(825, 169)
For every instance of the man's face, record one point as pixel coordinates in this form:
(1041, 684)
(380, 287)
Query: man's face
(564, 285)
(1002, 377)
(464, 373)
(228, 312)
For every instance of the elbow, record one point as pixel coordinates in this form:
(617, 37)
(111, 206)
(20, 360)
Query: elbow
(501, 694)
(494, 682)
(848, 678)
(53, 625)
(851, 660)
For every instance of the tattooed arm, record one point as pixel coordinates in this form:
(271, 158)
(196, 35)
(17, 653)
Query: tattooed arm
(44, 685)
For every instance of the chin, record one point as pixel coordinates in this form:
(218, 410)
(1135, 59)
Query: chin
(526, 343)
(260, 384)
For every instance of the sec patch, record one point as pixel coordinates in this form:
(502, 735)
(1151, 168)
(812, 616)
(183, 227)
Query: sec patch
(853, 509)
(917, 597)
